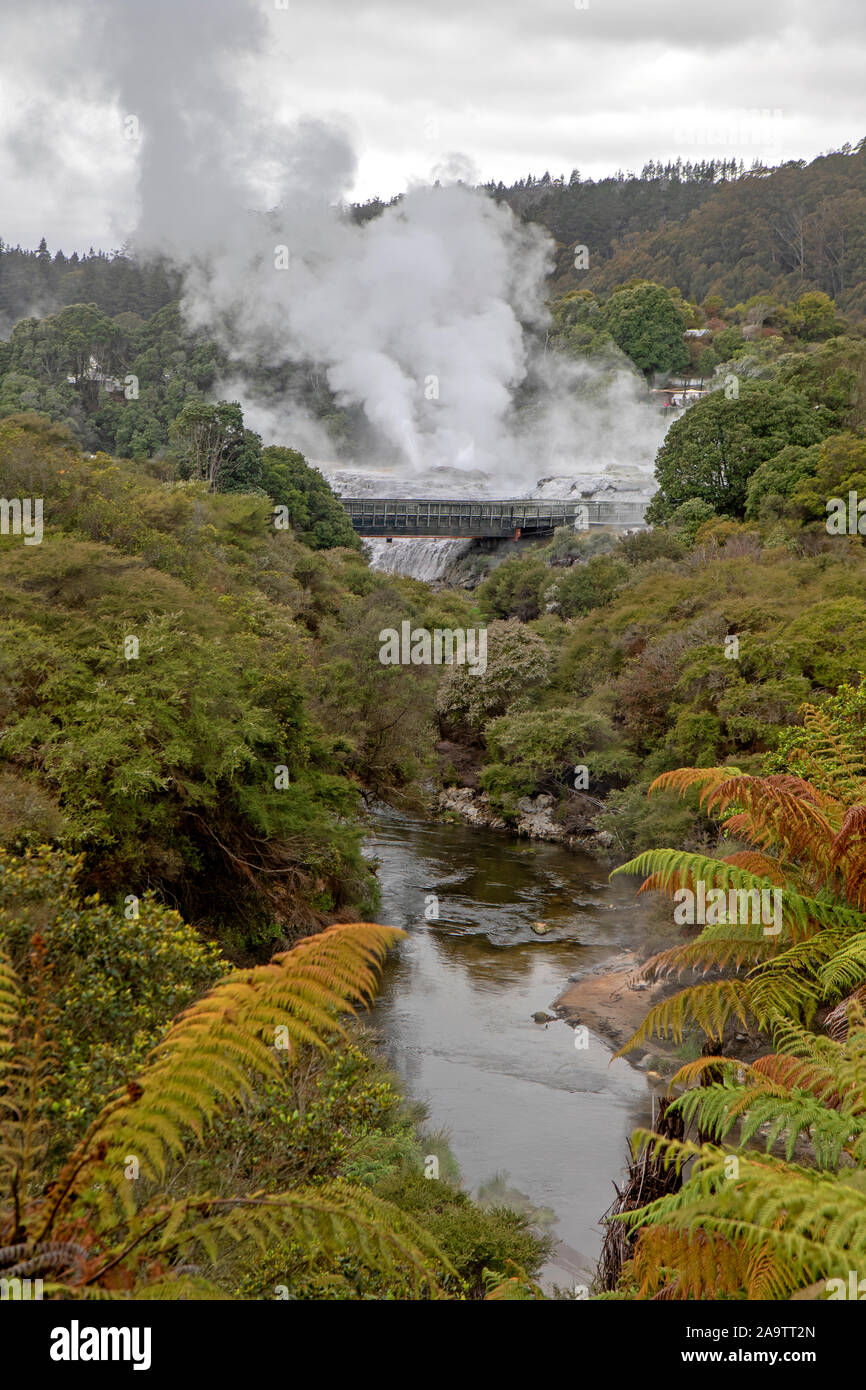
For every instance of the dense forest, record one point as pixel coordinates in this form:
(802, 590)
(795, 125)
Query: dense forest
(194, 716)
(766, 231)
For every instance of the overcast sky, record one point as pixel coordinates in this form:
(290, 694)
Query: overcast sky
(494, 88)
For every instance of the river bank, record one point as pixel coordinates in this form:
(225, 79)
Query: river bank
(535, 819)
(610, 997)
(500, 929)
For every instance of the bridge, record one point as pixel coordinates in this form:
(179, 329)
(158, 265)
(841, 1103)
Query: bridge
(405, 516)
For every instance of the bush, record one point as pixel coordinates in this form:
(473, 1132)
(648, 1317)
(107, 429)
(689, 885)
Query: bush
(518, 665)
(314, 509)
(117, 978)
(515, 589)
(535, 749)
(584, 587)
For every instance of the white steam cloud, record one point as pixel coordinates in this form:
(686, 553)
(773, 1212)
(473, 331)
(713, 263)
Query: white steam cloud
(429, 317)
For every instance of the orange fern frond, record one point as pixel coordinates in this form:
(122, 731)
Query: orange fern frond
(687, 1264)
(710, 953)
(692, 1073)
(761, 865)
(683, 779)
(848, 852)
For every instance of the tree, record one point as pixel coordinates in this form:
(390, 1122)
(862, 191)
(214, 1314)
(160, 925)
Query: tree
(781, 1226)
(518, 665)
(645, 323)
(833, 377)
(314, 509)
(712, 451)
(773, 481)
(579, 326)
(838, 467)
(214, 446)
(815, 315)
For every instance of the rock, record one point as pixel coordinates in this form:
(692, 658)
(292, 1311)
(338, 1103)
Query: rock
(540, 928)
(604, 838)
(536, 821)
(543, 1018)
(471, 806)
(534, 814)
(655, 1077)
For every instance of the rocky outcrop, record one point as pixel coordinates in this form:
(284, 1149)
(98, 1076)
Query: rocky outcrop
(536, 818)
(471, 806)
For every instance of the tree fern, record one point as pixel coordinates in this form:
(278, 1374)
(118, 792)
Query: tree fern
(748, 1223)
(814, 1087)
(829, 749)
(803, 1225)
(100, 1228)
(24, 1062)
(816, 847)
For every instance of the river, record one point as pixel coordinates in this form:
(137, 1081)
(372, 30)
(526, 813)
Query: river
(454, 1015)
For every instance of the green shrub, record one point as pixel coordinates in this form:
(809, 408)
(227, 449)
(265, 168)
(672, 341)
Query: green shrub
(118, 976)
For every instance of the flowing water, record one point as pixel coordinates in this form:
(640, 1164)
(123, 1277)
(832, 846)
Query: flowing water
(430, 559)
(455, 1015)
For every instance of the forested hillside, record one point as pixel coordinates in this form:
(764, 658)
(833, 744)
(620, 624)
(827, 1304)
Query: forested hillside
(192, 711)
(192, 698)
(194, 717)
(711, 231)
(37, 283)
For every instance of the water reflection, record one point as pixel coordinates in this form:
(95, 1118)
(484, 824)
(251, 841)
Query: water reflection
(455, 1013)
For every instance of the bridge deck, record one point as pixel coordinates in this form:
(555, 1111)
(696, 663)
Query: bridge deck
(403, 516)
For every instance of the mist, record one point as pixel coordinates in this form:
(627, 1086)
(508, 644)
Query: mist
(429, 318)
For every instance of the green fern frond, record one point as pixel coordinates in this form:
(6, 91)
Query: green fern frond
(837, 764)
(331, 1219)
(709, 1005)
(812, 1224)
(668, 870)
(846, 970)
(770, 1108)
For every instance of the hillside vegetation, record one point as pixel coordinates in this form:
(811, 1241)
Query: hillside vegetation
(194, 715)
